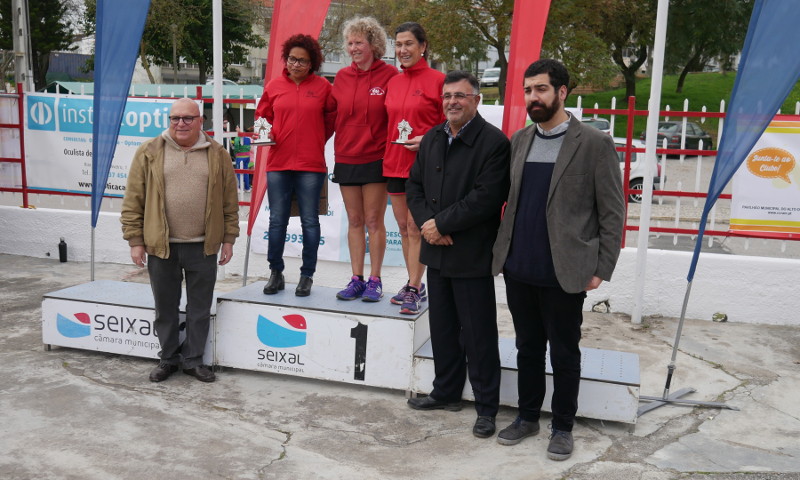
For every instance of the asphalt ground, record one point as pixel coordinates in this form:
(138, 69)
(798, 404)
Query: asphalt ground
(73, 414)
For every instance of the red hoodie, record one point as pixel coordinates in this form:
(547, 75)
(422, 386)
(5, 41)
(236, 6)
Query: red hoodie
(361, 117)
(302, 119)
(414, 96)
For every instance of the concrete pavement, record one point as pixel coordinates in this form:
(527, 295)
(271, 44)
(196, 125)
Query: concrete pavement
(72, 414)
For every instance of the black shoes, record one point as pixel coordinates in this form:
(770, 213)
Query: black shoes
(162, 372)
(484, 427)
(517, 431)
(303, 288)
(274, 283)
(560, 447)
(430, 403)
(200, 372)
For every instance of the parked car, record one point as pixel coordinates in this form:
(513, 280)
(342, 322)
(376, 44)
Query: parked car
(636, 180)
(672, 132)
(599, 123)
(491, 77)
(225, 81)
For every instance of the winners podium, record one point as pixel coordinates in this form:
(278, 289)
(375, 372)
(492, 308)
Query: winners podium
(317, 337)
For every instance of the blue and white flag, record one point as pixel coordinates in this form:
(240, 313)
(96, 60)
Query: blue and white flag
(119, 31)
(768, 70)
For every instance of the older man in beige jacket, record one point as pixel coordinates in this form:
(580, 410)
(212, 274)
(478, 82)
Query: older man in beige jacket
(180, 210)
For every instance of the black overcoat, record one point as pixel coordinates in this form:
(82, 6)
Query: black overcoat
(463, 186)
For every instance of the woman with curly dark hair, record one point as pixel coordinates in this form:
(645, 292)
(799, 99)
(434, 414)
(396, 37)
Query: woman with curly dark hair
(298, 106)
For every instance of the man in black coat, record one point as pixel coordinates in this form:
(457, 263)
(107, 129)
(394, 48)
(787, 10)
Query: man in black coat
(455, 193)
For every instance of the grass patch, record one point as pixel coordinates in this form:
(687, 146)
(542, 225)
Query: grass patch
(702, 89)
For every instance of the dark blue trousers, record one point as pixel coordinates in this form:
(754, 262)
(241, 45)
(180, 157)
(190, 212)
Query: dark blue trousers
(542, 315)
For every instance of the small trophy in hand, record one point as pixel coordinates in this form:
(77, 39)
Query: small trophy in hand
(404, 130)
(263, 128)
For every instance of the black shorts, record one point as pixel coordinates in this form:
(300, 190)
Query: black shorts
(356, 175)
(396, 185)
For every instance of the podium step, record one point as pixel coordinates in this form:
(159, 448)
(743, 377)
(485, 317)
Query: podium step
(609, 387)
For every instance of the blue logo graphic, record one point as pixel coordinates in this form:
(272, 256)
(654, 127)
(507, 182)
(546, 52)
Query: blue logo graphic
(79, 327)
(41, 113)
(292, 333)
(75, 114)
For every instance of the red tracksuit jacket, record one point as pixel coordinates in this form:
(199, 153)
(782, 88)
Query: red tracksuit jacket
(302, 118)
(361, 117)
(414, 96)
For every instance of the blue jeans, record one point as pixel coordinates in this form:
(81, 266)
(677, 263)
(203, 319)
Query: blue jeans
(241, 164)
(306, 186)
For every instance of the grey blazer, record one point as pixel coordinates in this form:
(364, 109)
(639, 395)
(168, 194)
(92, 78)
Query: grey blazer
(585, 206)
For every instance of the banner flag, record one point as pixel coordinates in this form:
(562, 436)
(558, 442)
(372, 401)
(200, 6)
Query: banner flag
(527, 31)
(119, 30)
(768, 70)
(288, 18)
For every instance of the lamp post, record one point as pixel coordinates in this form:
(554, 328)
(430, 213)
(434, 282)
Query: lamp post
(174, 29)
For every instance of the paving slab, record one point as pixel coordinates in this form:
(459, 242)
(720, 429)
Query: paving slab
(72, 414)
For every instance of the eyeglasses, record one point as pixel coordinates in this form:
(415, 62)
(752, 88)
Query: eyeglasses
(186, 120)
(458, 96)
(303, 62)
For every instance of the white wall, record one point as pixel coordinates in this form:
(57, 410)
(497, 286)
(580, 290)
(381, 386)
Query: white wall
(747, 289)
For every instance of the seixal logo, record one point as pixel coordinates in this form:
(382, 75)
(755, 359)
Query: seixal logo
(292, 333)
(74, 328)
(41, 113)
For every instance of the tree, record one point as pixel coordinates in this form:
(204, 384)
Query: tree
(197, 38)
(701, 31)
(189, 24)
(465, 28)
(626, 27)
(50, 31)
(571, 37)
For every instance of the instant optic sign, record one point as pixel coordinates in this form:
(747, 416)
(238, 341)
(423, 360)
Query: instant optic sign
(101, 327)
(368, 350)
(58, 140)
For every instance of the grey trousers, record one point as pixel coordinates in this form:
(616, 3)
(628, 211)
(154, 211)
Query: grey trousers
(166, 277)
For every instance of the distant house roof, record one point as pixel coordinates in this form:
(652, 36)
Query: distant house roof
(67, 66)
(247, 92)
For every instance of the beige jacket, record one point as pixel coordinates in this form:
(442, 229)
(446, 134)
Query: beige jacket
(143, 217)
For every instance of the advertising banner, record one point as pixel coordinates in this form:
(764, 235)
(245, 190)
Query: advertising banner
(334, 225)
(108, 328)
(365, 350)
(766, 188)
(58, 140)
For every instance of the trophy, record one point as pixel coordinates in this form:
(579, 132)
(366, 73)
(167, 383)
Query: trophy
(263, 128)
(404, 129)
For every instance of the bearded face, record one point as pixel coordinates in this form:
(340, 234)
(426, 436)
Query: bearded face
(539, 111)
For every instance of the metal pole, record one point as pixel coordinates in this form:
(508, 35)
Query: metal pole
(246, 262)
(174, 29)
(92, 258)
(216, 106)
(22, 45)
(650, 158)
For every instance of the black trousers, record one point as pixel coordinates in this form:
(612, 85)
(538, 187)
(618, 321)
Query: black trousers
(166, 277)
(542, 315)
(463, 318)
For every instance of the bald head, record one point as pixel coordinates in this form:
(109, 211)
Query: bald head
(186, 131)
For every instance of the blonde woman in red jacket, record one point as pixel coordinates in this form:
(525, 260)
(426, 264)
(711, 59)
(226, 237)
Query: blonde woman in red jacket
(298, 106)
(359, 92)
(413, 101)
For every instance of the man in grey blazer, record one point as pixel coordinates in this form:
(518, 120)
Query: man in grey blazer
(560, 236)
